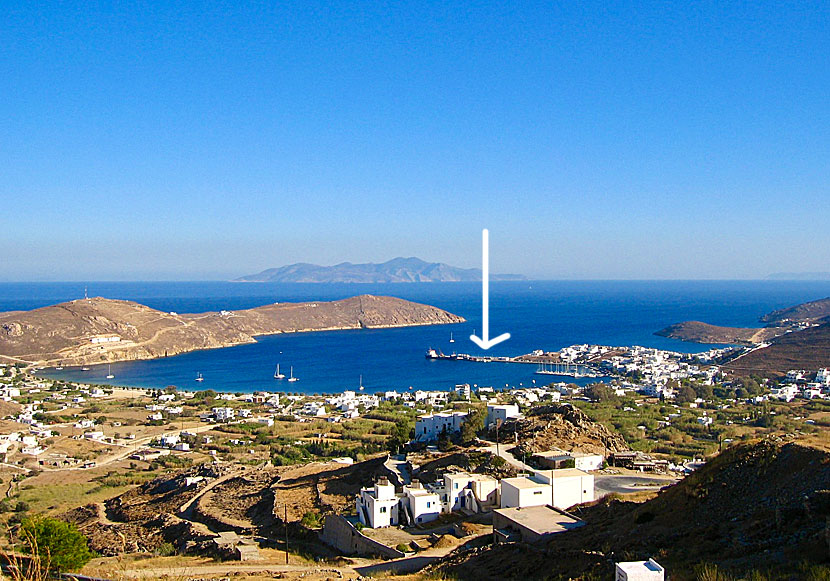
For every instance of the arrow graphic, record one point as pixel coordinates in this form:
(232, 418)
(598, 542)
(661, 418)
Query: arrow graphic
(485, 342)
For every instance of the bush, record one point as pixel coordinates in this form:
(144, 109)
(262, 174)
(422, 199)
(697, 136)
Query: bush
(311, 520)
(404, 548)
(166, 550)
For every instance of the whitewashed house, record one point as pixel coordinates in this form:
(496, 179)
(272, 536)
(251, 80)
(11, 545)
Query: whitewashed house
(560, 488)
(501, 413)
(429, 426)
(378, 506)
(419, 504)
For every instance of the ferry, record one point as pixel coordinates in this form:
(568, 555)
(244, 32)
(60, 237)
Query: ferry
(435, 354)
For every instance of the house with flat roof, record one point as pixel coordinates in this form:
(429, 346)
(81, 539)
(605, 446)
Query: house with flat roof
(531, 524)
(639, 571)
(560, 488)
(500, 413)
(429, 426)
(378, 506)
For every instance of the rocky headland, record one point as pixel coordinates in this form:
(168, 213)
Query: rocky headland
(100, 330)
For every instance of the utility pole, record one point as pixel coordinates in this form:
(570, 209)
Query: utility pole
(498, 421)
(285, 522)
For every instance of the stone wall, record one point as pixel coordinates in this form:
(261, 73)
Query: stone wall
(341, 534)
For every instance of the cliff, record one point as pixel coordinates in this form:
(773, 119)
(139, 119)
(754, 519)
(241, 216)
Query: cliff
(99, 330)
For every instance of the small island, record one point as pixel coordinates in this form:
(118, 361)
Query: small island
(100, 330)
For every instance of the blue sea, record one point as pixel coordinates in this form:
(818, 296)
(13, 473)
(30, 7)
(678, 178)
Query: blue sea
(545, 315)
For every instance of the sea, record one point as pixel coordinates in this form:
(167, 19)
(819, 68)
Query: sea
(545, 315)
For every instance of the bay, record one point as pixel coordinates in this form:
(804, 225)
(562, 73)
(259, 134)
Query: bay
(545, 315)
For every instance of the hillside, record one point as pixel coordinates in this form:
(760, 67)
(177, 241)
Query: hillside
(760, 506)
(805, 312)
(395, 270)
(100, 330)
(698, 332)
(805, 349)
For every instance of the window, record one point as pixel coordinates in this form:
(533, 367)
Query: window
(429, 504)
(383, 509)
(537, 492)
(455, 485)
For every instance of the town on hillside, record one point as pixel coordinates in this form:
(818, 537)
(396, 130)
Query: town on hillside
(412, 482)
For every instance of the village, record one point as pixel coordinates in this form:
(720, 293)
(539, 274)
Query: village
(449, 469)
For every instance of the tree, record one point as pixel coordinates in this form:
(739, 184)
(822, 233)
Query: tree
(401, 434)
(601, 392)
(685, 395)
(472, 425)
(60, 545)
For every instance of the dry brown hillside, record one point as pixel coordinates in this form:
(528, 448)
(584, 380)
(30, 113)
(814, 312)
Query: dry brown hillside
(100, 330)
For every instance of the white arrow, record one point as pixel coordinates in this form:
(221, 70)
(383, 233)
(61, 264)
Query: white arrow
(485, 342)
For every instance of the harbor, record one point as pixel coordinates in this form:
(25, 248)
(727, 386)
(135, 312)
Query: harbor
(547, 363)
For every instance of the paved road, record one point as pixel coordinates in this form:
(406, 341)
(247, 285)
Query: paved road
(503, 453)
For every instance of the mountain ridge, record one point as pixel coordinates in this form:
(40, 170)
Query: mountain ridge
(396, 270)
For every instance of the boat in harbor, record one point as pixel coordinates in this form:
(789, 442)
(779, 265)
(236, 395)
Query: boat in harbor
(84, 368)
(199, 377)
(436, 354)
(109, 373)
(360, 388)
(451, 339)
(277, 374)
(291, 374)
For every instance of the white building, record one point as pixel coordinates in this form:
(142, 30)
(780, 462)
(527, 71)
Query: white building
(223, 414)
(560, 488)
(501, 413)
(378, 506)
(419, 504)
(428, 427)
(639, 571)
(463, 389)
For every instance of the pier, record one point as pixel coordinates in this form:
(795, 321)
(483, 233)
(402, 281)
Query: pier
(548, 363)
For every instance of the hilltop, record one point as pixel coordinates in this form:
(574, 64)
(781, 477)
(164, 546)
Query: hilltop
(99, 330)
(699, 332)
(396, 270)
(761, 506)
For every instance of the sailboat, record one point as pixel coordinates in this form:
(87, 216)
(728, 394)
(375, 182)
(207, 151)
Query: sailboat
(291, 374)
(109, 372)
(199, 377)
(84, 368)
(451, 339)
(277, 374)
(361, 383)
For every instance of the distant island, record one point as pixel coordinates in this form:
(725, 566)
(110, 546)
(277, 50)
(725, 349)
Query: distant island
(99, 330)
(799, 276)
(395, 270)
(796, 337)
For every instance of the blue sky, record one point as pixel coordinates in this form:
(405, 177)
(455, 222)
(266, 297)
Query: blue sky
(210, 140)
